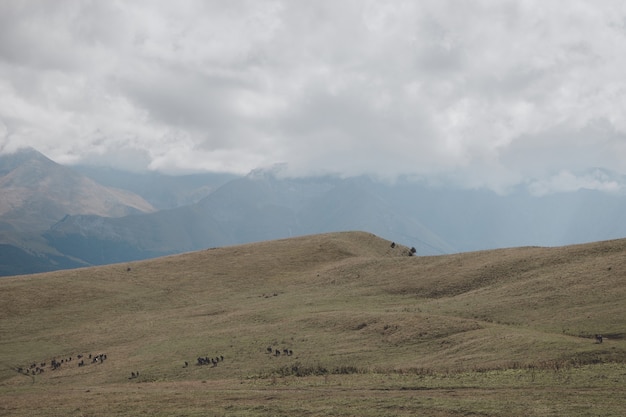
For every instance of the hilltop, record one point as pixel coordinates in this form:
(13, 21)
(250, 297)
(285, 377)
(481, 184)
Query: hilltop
(348, 312)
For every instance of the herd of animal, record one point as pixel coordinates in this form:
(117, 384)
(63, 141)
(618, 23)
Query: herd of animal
(207, 361)
(276, 352)
(36, 368)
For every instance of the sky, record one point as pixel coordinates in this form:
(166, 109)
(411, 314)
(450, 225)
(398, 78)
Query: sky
(489, 94)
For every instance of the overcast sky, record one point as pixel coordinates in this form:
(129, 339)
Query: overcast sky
(486, 93)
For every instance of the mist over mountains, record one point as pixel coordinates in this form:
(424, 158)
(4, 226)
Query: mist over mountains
(55, 217)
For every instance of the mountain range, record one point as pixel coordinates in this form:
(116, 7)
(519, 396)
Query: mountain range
(57, 217)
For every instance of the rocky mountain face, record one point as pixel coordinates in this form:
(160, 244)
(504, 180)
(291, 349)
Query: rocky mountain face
(36, 193)
(162, 191)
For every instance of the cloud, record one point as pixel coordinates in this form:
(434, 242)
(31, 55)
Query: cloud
(567, 181)
(487, 94)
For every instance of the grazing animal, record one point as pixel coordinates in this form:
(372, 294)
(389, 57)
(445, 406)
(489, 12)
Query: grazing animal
(393, 245)
(598, 338)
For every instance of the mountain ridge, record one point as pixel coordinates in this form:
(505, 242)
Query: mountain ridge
(265, 205)
(248, 209)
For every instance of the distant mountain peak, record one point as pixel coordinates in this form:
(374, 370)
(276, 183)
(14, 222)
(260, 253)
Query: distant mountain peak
(12, 160)
(36, 192)
(24, 154)
(273, 171)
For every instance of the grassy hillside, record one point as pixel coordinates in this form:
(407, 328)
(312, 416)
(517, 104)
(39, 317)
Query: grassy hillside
(362, 329)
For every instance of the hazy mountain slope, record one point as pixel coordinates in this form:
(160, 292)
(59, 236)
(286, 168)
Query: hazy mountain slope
(99, 240)
(469, 220)
(264, 206)
(162, 191)
(16, 260)
(354, 204)
(255, 208)
(238, 212)
(434, 220)
(37, 192)
(356, 313)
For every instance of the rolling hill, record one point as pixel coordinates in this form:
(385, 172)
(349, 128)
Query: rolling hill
(361, 328)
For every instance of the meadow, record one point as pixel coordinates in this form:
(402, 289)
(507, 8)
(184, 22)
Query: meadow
(339, 324)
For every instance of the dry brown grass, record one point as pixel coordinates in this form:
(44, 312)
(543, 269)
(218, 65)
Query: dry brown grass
(373, 330)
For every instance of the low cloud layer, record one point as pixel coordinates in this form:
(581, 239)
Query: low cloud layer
(483, 93)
